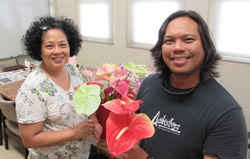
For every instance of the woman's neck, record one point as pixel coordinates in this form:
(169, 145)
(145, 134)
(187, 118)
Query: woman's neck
(57, 76)
(52, 72)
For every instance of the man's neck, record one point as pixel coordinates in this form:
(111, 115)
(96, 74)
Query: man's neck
(184, 81)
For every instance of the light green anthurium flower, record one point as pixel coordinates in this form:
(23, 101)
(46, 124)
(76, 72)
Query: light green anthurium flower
(136, 68)
(87, 99)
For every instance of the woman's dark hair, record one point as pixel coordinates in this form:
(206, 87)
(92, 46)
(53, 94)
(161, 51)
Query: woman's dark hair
(208, 68)
(32, 40)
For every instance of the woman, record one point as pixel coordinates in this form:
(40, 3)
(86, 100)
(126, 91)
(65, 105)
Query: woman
(48, 122)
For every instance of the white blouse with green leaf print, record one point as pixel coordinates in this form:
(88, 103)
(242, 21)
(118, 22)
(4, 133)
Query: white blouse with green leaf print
(41, 99)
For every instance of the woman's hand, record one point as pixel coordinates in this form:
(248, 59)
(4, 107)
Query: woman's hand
(84, 129)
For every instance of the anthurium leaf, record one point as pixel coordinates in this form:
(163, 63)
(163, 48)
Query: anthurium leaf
(136, 68)
(124, 106)
(87, 99)
(121, 86)
(124, 131)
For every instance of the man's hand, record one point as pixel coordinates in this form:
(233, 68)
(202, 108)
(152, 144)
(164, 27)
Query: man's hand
(98, 132)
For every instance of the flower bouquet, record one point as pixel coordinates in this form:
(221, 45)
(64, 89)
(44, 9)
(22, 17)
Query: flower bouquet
(111, 91)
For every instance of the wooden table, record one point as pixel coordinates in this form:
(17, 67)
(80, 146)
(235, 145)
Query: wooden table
(9, 91)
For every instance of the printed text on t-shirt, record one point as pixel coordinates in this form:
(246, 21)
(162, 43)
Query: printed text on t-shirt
(165, 124)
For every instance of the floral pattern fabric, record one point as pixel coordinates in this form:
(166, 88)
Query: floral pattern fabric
(41, 99)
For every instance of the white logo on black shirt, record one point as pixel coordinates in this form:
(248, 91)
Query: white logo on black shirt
(165, 124)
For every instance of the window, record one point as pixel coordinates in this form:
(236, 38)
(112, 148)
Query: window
(145, 18)
(95, 20)
(231, 28)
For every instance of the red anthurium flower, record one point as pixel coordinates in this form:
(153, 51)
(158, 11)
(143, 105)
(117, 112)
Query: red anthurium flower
(124, 106)
(125, 130)
(121, 86)
(77, 87)
(107, 91)
(117, 95)
(131, 94)
(92, 83)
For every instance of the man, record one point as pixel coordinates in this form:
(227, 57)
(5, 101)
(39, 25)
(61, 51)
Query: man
(194, 116)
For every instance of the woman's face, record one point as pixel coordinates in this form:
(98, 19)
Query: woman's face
(55, 50)
(182, 50)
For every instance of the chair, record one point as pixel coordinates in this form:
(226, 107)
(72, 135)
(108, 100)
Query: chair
(9, 124)
(8, 62)
(249, 140)
(1, 130)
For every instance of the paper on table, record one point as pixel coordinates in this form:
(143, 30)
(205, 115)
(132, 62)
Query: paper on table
(12, 76)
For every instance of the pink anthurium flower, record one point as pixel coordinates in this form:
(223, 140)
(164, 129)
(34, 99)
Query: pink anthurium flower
(114, 79)
(110, 67)
(125, 130)
(102, 74)
(122, 106)
(121, 72)
(87, 73)
(121, 86)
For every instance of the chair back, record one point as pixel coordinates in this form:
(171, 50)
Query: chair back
(8, 62)
(8, 109)
(9, 124)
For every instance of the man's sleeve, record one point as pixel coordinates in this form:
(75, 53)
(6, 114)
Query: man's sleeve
(228, 138)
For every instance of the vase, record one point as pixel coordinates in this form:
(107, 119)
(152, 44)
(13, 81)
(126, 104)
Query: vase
(102, 115)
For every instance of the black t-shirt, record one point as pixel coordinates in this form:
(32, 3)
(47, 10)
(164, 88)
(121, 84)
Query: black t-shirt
(203, 120)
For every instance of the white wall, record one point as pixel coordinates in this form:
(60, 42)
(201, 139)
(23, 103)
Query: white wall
(234, 76)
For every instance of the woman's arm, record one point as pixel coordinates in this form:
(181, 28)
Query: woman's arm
(33, 135)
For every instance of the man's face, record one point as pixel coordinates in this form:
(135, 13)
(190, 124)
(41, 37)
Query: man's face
(182, 49)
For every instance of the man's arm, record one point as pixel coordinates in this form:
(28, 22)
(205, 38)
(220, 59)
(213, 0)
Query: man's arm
(209, 157)
(135, 152)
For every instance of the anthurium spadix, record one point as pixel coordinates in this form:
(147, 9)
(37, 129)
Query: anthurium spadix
(125, 130)
(122, 106)
(87, 99)
(136, 68)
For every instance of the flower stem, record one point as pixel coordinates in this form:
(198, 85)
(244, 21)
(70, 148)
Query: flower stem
(128, 75)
